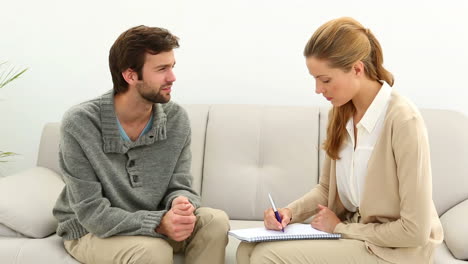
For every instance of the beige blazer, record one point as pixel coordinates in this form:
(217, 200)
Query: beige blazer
(399, 222)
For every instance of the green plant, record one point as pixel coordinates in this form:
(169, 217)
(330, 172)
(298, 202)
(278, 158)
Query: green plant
(4, 154)
(8, 74)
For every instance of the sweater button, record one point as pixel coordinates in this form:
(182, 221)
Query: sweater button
(135, 178)
(131, 164)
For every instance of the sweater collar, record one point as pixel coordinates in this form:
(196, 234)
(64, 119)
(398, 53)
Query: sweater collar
(113, 142)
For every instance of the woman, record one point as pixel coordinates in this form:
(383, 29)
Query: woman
(376, 184)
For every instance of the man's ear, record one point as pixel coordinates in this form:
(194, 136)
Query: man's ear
(359, 68)
(130, 76)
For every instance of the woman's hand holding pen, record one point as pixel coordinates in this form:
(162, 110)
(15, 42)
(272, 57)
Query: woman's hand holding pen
(325, 220)
(270, 221)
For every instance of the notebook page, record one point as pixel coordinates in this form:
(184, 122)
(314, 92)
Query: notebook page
(289, 231)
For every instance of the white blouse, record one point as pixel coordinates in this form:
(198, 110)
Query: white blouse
(351, 168)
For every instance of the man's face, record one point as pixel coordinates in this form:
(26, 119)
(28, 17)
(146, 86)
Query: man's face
(158, 77)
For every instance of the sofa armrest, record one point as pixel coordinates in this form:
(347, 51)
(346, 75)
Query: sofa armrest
(454, 222)
(27, 199)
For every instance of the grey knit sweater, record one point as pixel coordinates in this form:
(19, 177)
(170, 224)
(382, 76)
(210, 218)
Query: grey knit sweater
(114, 187)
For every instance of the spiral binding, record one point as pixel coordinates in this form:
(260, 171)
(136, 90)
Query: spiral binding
(295, 237)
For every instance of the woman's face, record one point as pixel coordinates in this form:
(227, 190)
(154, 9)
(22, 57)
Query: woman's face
(334, 84)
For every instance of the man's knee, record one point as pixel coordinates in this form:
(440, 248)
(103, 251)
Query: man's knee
(151, 250)
(215, 220)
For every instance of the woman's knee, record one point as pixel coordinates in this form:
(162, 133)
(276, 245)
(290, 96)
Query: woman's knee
(265, 253)
(244, 251)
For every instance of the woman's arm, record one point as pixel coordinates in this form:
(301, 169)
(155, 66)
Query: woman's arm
(306, 206)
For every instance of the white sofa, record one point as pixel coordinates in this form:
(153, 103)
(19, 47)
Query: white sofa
(240, 153)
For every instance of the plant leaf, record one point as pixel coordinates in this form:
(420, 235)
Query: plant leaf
(9, 75)
(5, 154)
(2, 84)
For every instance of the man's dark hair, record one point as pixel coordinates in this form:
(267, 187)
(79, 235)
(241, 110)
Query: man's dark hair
(129, 50)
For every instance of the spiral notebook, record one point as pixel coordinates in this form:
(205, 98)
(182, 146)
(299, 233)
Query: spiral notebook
(291, 232)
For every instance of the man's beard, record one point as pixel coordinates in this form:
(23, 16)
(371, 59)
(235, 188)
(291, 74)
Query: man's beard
(148, 93)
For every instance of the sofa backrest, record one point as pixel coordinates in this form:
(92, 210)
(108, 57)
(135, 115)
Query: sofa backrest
(252, 150)
(239, 154)
(242, 152)
(198, 115)
(448, 139)
(49, 147)
(323, 122)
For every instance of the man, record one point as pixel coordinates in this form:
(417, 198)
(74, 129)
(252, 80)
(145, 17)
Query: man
(125, 158)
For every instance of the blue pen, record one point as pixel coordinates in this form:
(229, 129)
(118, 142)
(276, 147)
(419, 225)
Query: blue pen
(278, 217)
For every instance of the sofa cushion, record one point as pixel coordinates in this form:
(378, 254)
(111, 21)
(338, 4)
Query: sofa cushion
(442, 255)
(5, 231)
(49, 147)
(48, 250)
(253, 150)
(30, 212)
(456, 234)
(447, 131)
(198, 115)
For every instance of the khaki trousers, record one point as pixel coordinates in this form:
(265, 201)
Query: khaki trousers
(206, 244)
(306, 251)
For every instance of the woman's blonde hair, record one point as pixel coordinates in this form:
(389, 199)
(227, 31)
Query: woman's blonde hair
(342, 42)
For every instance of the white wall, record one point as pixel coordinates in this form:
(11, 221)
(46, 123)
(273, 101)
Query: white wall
(244, 51)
